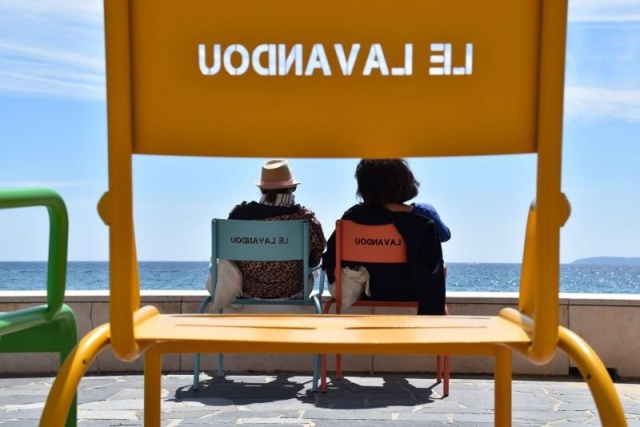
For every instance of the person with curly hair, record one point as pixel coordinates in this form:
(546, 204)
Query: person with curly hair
(385, 187)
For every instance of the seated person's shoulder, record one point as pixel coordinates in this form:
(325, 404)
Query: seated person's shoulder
(309, 215)
(239, 211)
(306, 211)
(416, 223)
(364, 214)
(424, 208)
(255, 210)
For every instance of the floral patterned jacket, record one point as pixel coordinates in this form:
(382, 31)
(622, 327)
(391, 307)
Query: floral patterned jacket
(278, 279)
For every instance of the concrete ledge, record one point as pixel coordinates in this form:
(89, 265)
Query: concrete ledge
(610, 324)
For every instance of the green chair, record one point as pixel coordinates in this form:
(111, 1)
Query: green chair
(51, 327)
(255, 240)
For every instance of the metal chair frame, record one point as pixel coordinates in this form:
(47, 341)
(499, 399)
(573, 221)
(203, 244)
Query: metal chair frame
(51, 327)
(346, 249)
(286, 241)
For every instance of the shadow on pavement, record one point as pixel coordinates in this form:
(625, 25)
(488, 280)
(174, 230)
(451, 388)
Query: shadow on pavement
(353, 392)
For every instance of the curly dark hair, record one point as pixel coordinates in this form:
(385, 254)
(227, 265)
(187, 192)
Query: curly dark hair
(382, 181)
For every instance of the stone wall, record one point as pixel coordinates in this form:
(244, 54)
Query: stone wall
(609, 323)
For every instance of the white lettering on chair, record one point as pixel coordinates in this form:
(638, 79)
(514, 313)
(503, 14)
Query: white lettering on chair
(286, 61)
(407, 70)
(445, 60)
(270, 50)
(376, 60)
(346, 64)
(280, 60)
(244, 59)
(318, 59)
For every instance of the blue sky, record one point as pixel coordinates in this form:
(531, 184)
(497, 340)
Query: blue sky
(53, 134)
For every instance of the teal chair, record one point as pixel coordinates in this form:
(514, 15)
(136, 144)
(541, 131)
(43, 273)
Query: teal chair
(50, 327)
(244, 240)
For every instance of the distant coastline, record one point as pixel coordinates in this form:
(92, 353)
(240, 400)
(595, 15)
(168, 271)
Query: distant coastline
(609, 260)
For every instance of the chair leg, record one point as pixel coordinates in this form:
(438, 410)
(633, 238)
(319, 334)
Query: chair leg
(323, 373)
(152, 383)
(68, 341)
(196, 371)
(446, 375)
(316, 372)
(323, 357)
(502, 386)
(196, 357)
(220, 365)
(596, 377)
(442, 373)
(316, 358)
(66, 383)
(446, 371)
(339, 375)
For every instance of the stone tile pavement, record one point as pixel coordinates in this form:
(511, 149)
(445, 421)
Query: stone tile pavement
(286, 399)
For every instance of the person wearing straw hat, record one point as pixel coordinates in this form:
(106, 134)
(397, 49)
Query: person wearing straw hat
(277, 280)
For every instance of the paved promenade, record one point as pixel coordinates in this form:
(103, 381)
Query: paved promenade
(285, 399)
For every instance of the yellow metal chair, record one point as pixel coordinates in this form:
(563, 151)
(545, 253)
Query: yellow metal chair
(365, 78)
(50, 327)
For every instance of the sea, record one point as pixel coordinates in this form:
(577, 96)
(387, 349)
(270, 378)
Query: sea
(465, 277)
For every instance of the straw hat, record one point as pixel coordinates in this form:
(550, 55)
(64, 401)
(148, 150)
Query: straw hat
(275, 175)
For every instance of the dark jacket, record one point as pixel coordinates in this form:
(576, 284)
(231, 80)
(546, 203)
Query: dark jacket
(421, 278)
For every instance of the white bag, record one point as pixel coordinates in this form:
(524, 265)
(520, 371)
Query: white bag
(355, 282)
(228, 285)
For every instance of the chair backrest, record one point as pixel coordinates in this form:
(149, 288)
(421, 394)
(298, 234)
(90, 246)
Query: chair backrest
(371, 78)
(369, 243)
(254, 240)
(366, 244)
(383, 251)
(58, 237)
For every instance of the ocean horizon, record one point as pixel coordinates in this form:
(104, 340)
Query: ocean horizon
(191, 275)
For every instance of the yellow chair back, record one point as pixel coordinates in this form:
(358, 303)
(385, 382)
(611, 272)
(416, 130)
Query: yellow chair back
(335, 79)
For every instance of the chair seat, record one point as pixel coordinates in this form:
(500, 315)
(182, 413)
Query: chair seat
(355, 334)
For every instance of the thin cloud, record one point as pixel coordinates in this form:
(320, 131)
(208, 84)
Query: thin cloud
(592, 103)
(55, 48)
(48, 184)
(604, 11)
(605, 18)
(71, 9)
(52, 48)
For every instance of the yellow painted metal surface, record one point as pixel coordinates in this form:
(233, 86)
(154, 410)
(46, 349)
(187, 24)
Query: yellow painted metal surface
(344, 99)
(596, 375)
(68, 378)
(502, 96)
(116, 206)
(550, 202)
(503, 376)
(334, 333)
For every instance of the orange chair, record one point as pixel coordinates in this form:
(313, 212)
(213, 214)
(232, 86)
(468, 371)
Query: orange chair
(347, 235)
